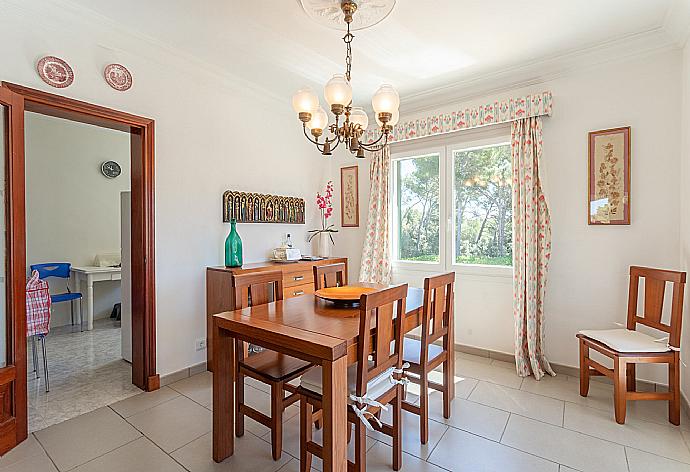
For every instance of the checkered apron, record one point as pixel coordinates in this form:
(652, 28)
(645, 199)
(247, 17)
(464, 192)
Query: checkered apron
(37, 306)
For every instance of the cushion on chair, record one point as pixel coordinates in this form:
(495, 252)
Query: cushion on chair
(625, 340)
(64, 297)
(412, 350)
(375, 387)
(271, 365)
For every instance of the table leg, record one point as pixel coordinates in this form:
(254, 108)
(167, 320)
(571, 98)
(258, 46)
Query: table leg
(223, 394)
(334, 415)
(89, 303)
(75, 289)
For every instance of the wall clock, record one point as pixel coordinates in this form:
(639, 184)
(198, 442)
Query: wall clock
(111, 169)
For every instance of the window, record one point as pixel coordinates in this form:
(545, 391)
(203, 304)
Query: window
(452, 205)
(417, 220)
(482, 205)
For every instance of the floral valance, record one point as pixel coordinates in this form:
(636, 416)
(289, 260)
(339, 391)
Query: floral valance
(500, 111)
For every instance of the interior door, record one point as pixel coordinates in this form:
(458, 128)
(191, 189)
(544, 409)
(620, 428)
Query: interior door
(13, 408)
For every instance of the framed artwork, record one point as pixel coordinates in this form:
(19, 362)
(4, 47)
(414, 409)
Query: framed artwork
(608, 201)
(349, 197)
(246, 207)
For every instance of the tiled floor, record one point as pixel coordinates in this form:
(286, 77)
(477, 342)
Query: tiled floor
(499, 422)
(86, 372)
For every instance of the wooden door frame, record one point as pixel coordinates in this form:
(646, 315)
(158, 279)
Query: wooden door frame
(141, 131)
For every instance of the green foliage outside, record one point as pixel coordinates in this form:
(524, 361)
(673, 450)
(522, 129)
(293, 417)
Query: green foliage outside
(482, 207)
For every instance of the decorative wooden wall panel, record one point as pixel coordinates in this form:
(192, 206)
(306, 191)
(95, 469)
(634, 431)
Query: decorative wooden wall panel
(248, 207)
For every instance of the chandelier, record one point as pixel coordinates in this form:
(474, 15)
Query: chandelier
(350, 122)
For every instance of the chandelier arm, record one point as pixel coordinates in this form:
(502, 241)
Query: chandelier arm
(373, 146)
(311, 140)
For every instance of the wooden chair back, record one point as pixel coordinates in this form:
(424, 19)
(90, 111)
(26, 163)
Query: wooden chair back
(330, 275)
(387, 309)
(654, 289)
(437, 312)
(254, 288)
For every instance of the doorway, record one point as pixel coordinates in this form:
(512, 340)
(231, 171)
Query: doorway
(17, 100)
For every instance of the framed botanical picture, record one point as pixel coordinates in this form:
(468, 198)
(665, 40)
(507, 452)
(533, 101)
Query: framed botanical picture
(608, 201)
(349, 197)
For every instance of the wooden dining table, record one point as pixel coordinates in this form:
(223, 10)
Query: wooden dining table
(308, 328)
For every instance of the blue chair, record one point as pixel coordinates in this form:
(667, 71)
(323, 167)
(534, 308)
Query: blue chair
(60, 270)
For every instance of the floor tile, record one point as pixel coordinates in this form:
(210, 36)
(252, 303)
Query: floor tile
(487, 372)
(198, 387)
(411, 443)
(523, 403)
(22, 452)
(565, 468)
(37, 463)
(143, 401)
(470, 416)
(566, 447)
(463, 385)
(174, 423)
(665, 441)
(140, 454)
(640, 461)
(78, 440)
(380, 459)
(251, 455)
(459, 451)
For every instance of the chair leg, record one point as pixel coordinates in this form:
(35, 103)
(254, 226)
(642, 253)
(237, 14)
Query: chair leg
(34, 355)
(45, 363)
(674, 389)
(397, 429)
(584, 369)
(424, 407)
(360, 447)
(631, 382)
(619, 388)
(71, 307)
(448, 384)
(239, 391)
(277, 419)
(305, 421)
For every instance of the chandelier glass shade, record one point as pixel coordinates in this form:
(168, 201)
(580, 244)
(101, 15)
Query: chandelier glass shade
(349, 121)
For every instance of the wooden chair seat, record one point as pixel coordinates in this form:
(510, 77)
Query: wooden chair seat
(311, 382)
(412, 351)
(625, 340)
(273, 366)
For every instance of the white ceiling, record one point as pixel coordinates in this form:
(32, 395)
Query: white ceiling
(422, 45)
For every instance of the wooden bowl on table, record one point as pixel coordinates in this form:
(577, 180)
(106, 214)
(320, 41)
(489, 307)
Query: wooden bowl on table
(347, 295)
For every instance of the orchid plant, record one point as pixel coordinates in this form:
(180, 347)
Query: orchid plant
(325, 204)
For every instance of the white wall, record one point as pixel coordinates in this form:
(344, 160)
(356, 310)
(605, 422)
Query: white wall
(209, 139)
(685, 209)
(587, 281)
(73, 211)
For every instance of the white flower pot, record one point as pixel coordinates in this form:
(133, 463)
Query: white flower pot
(324, 245)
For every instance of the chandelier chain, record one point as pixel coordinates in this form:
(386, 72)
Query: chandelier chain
(348, 56)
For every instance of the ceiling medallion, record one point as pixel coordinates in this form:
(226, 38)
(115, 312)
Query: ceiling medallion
(330, 13)
(55, 72)
(118, 77)
(338, 94)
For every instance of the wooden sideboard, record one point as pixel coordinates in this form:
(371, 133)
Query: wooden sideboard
(298, 279)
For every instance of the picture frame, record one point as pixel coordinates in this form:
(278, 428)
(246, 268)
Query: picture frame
(608, 186)
(349, 197)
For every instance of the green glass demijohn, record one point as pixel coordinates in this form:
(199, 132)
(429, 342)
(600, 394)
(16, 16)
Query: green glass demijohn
(233, 247)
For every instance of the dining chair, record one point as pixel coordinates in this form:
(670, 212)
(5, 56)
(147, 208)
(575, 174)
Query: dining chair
(330, 275)
(374, 382)
(425, 355)
(628, 347)
(269, 367)
(60, 270)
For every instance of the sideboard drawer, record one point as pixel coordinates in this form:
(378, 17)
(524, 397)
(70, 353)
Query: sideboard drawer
(298, 290)
(301, 277)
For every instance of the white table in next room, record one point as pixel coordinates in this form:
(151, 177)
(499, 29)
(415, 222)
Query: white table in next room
(84, 278)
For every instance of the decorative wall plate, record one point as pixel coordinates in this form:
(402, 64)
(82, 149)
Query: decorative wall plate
(328, 13)
(55, 72)
(118, 77)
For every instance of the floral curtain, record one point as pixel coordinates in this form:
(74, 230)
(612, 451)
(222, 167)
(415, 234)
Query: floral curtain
(531, 248)
(376, 264)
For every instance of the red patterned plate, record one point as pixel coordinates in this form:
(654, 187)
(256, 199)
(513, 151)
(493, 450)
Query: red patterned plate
(55, 72)
(118, 77)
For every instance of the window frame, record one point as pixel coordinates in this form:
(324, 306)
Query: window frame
(444, 145)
